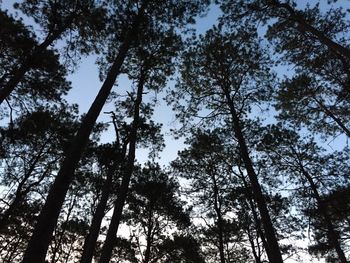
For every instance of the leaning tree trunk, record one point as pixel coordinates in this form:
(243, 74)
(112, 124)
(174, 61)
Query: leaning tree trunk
(273, 250)
(304, 26)
(60, 236)
(91, 238)
(252, 245)
(332, 234)
(18, 73)
(330, 114)
(20, 192)
(111, 237)
(39, 242)
(257, 222)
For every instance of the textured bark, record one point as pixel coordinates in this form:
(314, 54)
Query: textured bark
(273, 250)
(111, 237)
(42, 234)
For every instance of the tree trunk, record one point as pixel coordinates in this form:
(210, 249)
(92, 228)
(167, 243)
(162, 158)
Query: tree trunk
(255, 215)
(90, 240)
(39, 242)
(252, 245)
(18, 73)
(332, 235)
(111, 237)
(58, 245)
(217, 208)
(149, 237)
(304, 26)
(330, 114)
(20, 191)
(273, 250)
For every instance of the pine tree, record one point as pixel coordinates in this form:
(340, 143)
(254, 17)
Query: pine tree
(231, 74)
(58, 19)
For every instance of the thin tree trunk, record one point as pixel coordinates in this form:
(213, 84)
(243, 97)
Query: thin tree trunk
(18, 73)
(330, 114)
(273, 250)
(332, 235)
(149, 237)
(147, 252)
(221, 239)
(217, 208)
(111, 237)
(64, 228)
(304, 26)
(20, 193)
(252, 245)
(255, 215)
(39, 242)
(90, 240)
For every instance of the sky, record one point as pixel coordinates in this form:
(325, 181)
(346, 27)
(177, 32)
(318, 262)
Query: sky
(86, 84)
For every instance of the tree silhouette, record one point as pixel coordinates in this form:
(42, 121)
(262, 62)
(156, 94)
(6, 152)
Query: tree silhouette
(231, 74)
(259, 97)
(58, 19)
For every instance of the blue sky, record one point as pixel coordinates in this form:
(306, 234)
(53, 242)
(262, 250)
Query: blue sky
(86, 84)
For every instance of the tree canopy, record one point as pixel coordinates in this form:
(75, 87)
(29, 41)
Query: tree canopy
(218, 132)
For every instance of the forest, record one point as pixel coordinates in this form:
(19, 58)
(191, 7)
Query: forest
(251, 96)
